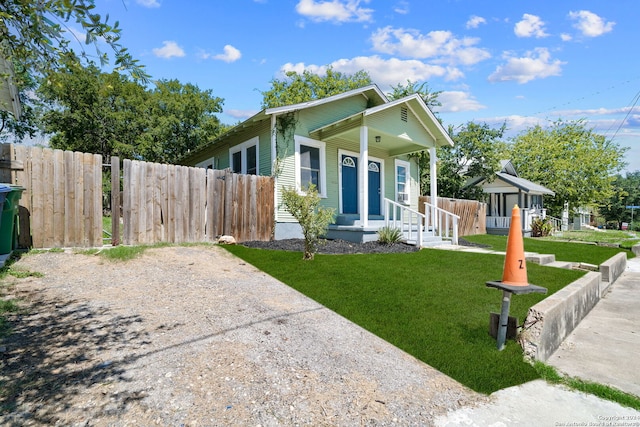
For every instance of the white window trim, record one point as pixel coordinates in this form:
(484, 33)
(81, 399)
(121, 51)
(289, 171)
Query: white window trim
(303, 140)
(407, 189)
(210, 163)
(243, 148)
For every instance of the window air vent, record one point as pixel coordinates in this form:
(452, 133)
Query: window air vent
(403, 114)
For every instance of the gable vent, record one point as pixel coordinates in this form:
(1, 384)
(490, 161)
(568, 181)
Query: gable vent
(403, 114)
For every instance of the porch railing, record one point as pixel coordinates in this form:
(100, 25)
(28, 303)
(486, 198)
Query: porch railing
(435, 222)
(556, 223)
(409, 221)
(442, 223)
(527, 215)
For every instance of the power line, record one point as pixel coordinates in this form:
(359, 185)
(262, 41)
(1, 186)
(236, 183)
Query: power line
(635, 101)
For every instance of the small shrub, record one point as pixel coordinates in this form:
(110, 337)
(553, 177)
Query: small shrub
(313, 218)
(541, 228)
(388, 235)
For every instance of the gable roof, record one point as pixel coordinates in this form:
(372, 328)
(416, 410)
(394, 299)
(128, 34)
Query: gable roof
(509, 175)
(371, 92)
(403, 143)
(524, 184)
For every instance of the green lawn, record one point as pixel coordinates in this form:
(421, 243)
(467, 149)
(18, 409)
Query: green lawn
(625, 239)
(433, 304)
(564, 251)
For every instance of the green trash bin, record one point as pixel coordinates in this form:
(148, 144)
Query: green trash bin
(4, 190)
(9, 220)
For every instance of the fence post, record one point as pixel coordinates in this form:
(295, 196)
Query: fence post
(115, 201)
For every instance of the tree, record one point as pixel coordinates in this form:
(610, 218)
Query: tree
(94, 112)
(296, 88)
(181, 117)
(35, 34)
(476, 153)
(313, 218)
(430, 98)
(626, 192)
(575, 162)
(110, 114)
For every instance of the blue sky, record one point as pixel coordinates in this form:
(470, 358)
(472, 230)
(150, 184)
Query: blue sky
(523, 62)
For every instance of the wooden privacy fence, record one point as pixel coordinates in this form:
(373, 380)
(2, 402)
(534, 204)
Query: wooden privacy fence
(62, 201)
(472, 213)
(62, 204)
(168, 203)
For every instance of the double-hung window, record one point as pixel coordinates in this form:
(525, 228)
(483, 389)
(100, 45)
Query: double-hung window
(402, 181)
(243, 158)
(310, 164)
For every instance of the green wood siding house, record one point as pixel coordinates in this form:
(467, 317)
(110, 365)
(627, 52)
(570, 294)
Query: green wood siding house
(353, 146)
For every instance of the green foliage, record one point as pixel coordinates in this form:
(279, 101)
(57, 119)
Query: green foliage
(312, 217)
(388, 235)
(21, 274)
(181, 118)
(111, 115)
(296, 88)
(94, 112)
(541, 227)
(36, 34)
(400, 91)
(626, 192)
(383, 294)
(570, 159)
(477, 153)
(284, 131)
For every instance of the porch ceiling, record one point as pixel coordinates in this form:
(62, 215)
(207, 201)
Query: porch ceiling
(349, 129)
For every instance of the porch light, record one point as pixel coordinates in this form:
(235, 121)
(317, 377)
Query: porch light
(378, 138)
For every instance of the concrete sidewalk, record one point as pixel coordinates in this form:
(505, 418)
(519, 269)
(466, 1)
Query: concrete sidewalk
(603, 348)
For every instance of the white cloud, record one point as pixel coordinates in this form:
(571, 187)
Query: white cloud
(590, 24)
(566, 37)
(335, 10)
(231, 54)
(240, 114)
(402, 8)
(537, 64)
(530, 26)
(168, 50)
(475, 21)
(456, 101)
(384, 72)
(148, 3)
(442, 46)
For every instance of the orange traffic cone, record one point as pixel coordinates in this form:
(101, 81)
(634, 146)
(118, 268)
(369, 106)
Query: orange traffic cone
(514, 273)
(515, 265)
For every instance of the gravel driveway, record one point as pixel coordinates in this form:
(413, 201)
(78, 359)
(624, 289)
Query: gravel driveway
(194, 336)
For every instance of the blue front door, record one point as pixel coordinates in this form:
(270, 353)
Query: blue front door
(349, 168)
(374, 188)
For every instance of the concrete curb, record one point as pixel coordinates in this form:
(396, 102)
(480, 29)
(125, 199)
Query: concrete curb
(612, 268)
(551, 320)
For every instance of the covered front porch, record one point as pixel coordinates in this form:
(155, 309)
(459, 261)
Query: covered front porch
(378, 182)
(508, 190)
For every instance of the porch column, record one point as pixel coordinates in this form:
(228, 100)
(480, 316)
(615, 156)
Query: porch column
(433, 178)
(363, 201)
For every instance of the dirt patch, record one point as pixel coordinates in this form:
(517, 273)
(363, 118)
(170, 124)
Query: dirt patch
(194, 336)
